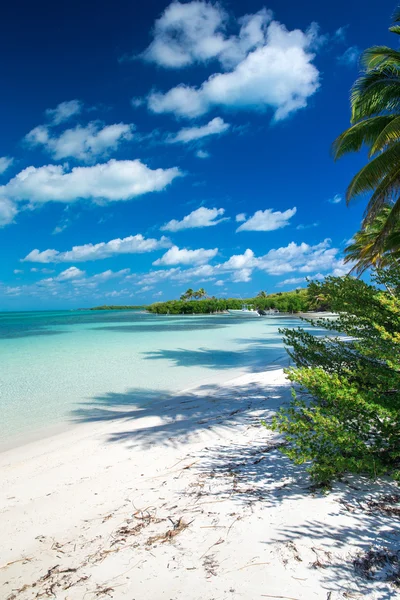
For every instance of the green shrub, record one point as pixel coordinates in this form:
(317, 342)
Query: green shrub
(345, 411)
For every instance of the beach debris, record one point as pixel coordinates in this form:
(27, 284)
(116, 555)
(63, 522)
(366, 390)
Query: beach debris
(379, 564)
(318, 563)
(178, 526)
(54, 580)
(388, 503)
(210, 565)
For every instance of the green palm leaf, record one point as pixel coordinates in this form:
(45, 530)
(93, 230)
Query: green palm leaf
(370, 176)
(389, 135)
(365, 132)
(374, 93)
(380, 56)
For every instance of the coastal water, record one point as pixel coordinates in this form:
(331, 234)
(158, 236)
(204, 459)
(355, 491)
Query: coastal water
(53, 363)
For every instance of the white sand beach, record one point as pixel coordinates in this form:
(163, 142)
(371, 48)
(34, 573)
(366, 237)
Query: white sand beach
(187, 498)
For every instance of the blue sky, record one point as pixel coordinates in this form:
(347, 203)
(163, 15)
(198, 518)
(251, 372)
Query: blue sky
(151, 147)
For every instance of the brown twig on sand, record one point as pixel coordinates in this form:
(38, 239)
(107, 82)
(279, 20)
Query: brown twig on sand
(178, 527)
(12, 562)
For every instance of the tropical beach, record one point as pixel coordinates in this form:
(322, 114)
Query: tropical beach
(214, 413)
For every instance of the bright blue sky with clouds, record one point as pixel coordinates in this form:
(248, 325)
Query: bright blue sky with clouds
(149, 147)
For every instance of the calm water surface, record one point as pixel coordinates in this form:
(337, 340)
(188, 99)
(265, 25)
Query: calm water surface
(53, 363)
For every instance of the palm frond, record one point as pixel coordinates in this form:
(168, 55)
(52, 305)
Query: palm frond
(364, 132)
(370, 176)
(385, 193)
(375, 93)
(380, 57)
(396, 15)
(389, 135)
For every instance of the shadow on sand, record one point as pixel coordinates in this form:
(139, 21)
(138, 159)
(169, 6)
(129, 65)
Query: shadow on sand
(352, 553)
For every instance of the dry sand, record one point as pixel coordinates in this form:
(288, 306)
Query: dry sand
(188, 498)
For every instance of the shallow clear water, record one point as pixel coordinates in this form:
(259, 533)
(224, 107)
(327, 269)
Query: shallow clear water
(53, 363)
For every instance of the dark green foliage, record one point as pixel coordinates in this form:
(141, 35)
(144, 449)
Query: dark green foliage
(345, 412)
(292, 302)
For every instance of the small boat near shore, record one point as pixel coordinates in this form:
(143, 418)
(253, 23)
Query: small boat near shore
(245, 311)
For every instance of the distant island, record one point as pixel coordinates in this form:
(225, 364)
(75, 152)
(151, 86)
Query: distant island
(114, 307)
(191, 302)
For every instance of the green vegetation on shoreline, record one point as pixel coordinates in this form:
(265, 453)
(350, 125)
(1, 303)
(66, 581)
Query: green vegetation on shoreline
(292, 302)
(300, 300)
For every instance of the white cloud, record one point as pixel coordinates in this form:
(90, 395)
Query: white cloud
(176, 256)
(70, 273)
(42, 270)
(137, 102)
(337, 198)
(350, 56)
(196, 32)
(202, 154)
(189, 134)
(202, 217)
(240, 261)
(64, 111)
(5, 163)
(134, 244)
(270, 67)
(17, 271)
(309, 226)
(83, 143)
(8, 211)
(298, 280)
(240, 217)
(157, 294)
(112, 181)
(342, 269)
(267, 220)
(301, 258)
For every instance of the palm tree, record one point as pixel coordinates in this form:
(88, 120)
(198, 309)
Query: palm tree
(202, 293)
(262, 294)
(188, 295)
(363, 251)
(375, 106)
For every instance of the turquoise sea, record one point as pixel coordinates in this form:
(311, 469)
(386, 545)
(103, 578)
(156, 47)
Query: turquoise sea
(53, 363)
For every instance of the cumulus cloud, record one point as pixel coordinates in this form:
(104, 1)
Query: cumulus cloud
(83, 143)
(202, 217)
(112, 181)
(189, 134)
(299, 257)
(196, 32)
(70, 273)
(267, 220)
(134, 244)
(5, 163)
(64, 111)
(266, 66)
(341, 268)
(8, 211)
(293, 258)
(182, 256)
(299, 280)
(240, 217)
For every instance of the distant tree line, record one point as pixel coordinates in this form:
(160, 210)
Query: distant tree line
(288, 302)
(116, 307)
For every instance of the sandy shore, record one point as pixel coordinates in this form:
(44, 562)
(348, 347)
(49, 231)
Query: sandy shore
(188, 498)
